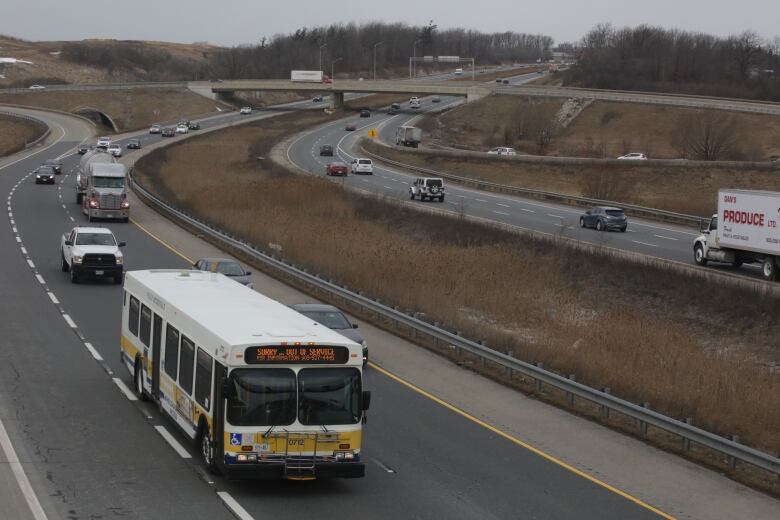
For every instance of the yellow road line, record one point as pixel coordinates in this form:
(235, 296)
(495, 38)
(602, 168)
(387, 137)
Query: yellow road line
(525, 445)
(470, 417)
(163, 242)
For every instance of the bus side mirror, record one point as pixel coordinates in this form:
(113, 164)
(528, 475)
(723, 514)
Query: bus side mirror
(227, 390)
(366, 400)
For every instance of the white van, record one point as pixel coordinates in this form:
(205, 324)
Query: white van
(458, 72)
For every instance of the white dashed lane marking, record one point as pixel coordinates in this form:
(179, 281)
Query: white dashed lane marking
(666, 238)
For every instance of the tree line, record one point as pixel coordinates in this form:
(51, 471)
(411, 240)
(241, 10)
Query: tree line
(350, 46)
(656, 59)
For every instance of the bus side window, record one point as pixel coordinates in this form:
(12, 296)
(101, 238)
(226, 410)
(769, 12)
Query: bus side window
(203, 373)
(132, 316)
(171, 351)
(146, 325)
(186, 364)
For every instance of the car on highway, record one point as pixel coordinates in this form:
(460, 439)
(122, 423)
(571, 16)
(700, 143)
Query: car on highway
(83, 148)
(227, 266)
(317, 99)
(115, 149)
(36, 87)
(54, 164)
(502, 150)
(634, 156)
(182, 129)
(362, 166)
(392, 111)
(499, 80)
(133, 144)
(435, 99)
(168, 132)
(427, 188)
(336, 168)
(103, 142)
(505, 82)
(414, 99)
(350, 127)
(91, 251)
(245, 111)
(193, 125)
(604, 218)
(334, 319)
(44, 175)
(415, 104)
(326, 150)
(155, 129)
(365, 112)
(396, 106)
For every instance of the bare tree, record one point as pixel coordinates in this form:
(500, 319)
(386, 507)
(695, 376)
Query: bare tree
(706, 135)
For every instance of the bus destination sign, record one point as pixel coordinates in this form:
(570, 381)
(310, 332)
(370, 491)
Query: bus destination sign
(299, 354)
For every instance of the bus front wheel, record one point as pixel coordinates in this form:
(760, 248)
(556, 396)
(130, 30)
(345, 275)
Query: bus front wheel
(206, 448)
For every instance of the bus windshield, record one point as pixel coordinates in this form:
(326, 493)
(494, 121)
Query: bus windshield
(108, 182)
(262, 397)
(268, 396)
(329, 396)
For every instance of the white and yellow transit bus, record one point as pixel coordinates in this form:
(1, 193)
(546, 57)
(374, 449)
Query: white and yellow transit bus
(261, 390)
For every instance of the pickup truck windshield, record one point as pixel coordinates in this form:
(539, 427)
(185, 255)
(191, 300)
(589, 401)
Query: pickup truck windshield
(108, 182)
(95, 239)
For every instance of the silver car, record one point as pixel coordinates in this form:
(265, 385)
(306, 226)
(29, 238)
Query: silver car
(334, 319)
(227, 266)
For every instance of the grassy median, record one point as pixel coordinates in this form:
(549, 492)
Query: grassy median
(652, 334)
(16, 133)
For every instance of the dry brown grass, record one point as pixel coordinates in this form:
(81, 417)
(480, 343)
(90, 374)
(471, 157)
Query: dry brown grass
(691, 190)
(15, 133)
(130, 109)
(650, 334)
(604, 129)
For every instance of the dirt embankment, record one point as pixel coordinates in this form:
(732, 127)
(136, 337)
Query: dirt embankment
(608, 130)
(650, 333)
(16, 133)
(131, 109)
(683, 189)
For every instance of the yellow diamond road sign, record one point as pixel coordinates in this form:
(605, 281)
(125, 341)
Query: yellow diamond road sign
(372, 133)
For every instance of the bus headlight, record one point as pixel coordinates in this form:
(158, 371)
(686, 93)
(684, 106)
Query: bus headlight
(344, 455)
(76, 259)
(247, 457)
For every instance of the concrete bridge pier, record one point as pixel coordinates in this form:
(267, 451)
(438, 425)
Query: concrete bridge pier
(338, 100)
(476, 93)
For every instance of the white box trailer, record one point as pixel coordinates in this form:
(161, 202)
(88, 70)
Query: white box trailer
(307, 76)
(408, 136)
(746, 229)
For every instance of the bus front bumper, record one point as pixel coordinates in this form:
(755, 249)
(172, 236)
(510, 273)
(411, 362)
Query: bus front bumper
(276, 470)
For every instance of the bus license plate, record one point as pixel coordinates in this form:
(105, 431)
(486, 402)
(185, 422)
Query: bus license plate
(99, 273)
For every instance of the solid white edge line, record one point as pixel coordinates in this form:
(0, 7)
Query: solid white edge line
(20, 475)
(69, 321)
(123, 388)
(177, 447)
(234, 506)
(95, 353)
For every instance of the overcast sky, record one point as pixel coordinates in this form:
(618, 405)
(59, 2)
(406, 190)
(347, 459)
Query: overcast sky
(231, 22)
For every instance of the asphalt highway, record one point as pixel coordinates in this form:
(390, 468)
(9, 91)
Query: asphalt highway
(91, 452)
(645, 237)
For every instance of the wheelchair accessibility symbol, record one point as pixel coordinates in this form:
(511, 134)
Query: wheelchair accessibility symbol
(235, 439)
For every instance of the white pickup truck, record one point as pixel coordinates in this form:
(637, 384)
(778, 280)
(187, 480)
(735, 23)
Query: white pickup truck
(90, 251)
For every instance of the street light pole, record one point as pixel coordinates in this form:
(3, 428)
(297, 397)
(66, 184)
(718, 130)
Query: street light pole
(377, 44)
(333, 68)
(414, 58)
(322, 47)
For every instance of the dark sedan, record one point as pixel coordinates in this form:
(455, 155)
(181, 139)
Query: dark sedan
(44, 175)
(326, 149)
(134, 144)
(54, 164)
(604, 218)
(336, 168)
(351, 127)
(194, 125)
(83, 148)
(334, 319)
(168, 132)
(365, 113)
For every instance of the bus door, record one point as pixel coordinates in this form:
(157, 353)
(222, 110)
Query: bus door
(220, 378)
(156, 342)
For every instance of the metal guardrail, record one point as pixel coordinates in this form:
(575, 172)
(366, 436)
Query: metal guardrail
(657, 214)
(34, 120)
(645, 416)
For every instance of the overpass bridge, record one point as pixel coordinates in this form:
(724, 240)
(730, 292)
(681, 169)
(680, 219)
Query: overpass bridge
(337, 89)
